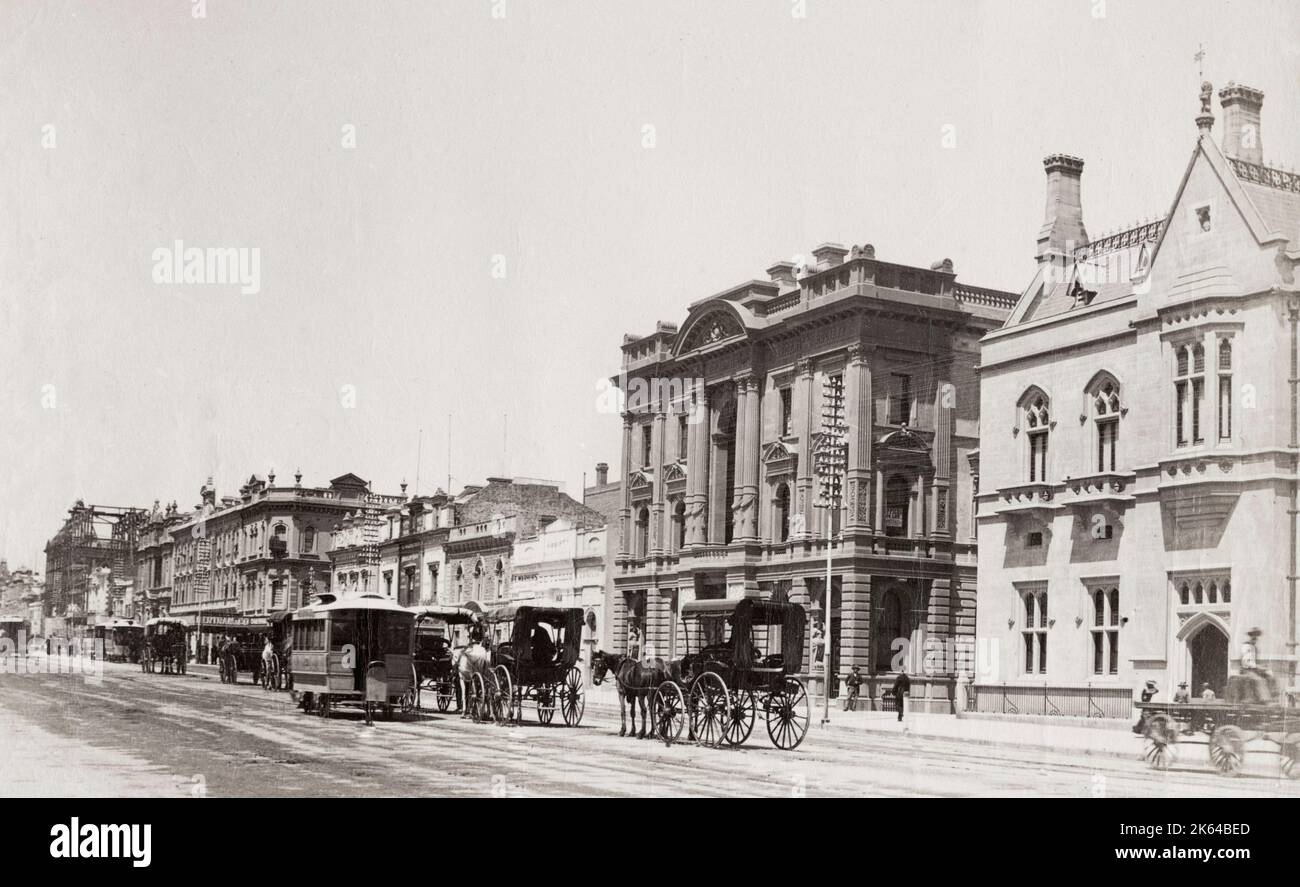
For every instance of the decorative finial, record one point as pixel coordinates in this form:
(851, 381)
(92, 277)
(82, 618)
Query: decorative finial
(297, 477)
(1205, 120)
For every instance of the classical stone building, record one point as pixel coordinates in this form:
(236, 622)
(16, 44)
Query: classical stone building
(262, 551)
(1138, 473)
(724, 417)
(153, 562)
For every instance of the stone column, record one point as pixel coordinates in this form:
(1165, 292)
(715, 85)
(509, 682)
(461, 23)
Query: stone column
(657, 538)
(941, 521)
(697, 471)
(754, 437)
(855, 622)
(740, 453)
(803, 498)
(860, 418)
(625, 512)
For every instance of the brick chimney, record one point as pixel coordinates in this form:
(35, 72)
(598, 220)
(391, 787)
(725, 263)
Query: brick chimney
(1241, 135)
(602, 473)
(1062, 230)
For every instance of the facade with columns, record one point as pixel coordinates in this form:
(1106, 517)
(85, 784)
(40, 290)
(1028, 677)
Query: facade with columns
(1137, 510)
(723, 419)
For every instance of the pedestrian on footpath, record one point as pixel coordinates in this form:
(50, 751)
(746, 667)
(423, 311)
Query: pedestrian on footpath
(1182, 694)
(1148, 692)
(902, 689)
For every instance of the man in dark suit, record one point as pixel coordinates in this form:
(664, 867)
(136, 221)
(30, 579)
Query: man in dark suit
(902, 688)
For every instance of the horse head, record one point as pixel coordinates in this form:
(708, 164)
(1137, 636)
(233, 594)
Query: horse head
(602, 664)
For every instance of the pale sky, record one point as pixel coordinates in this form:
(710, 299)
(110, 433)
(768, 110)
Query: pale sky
(126, 126)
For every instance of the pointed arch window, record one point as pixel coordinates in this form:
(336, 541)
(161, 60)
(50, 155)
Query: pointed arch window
(1037, 418)
(1105, 398)
(1225, 388)
(1189, 394)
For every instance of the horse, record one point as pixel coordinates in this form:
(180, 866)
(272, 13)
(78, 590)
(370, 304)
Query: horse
(471, 660)
(635, 680)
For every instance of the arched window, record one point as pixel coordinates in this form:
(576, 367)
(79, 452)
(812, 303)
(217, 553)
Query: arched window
(643, 532)
(781, 513)
(1184, 594)
(1189, 394)
(1038, 422)
(309, 540)
(898, 499)
(679, 525)
(1105, 417)
(1225, 389)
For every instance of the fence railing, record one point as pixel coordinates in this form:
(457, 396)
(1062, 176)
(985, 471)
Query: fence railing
(1085, 701)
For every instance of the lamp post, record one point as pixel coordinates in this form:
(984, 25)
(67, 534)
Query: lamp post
(831, 460)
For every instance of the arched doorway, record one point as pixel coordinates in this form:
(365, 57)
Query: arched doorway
(1208, 649)
(889, 626)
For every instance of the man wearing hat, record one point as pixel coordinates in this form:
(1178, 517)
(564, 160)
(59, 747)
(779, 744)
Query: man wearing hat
(1181, 694)
(1261, 681)
(1148, 692)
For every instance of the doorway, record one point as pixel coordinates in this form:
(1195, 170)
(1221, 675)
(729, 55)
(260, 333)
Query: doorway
(1209, 652)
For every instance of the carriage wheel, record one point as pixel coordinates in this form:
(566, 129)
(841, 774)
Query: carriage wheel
(505, 694)
(182, 664)
(669, 712)
(368, 709)
(788, 715)
(739, 721)
(546, 697)
(323, 705)
(1227, 749)
(445, 693)
(709, 709)
(573, 700)
(1291, 757)
(1161, 736)
(477, 698)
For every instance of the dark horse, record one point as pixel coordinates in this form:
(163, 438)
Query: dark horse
(636, 680)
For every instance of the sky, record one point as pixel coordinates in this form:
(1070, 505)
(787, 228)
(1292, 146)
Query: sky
(459, 208)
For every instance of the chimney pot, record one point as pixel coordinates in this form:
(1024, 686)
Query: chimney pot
(1241, 133)
(602, 473)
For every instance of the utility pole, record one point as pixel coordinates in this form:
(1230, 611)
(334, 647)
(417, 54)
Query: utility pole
(831, 461)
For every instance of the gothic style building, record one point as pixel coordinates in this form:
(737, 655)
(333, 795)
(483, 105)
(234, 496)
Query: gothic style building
(1137, 506)
(722, 426)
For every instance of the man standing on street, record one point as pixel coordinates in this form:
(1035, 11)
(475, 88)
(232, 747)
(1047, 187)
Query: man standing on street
(902, 688)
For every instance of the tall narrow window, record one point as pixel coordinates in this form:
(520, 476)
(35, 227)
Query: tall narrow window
(643, 533)
(683, 436)
(781, 514)
(1225, 389)
(787, 412)
(1034, 633)
(900, 399)
(1105, 407)
(1189, 394)
(1105, 631)
(679, 525)
(1038, 423)
(645, 446)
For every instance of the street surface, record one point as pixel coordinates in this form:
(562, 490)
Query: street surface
(133, 734)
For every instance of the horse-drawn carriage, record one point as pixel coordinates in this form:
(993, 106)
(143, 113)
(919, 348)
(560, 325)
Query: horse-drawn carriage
(15, 635)
(436, 649)
(121, 640)
(353, 651)
(278, 673)
(748, 653)
(534, 655)
(1254, 710)
(164, 649)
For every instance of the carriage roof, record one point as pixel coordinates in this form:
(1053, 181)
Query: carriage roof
(448, 614)
(748, 611)
(14, 619)
(365, 602)
(164, 620)
(532, 613)
(119, 623)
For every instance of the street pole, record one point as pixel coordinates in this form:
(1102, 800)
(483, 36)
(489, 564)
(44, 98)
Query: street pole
(829, 648)
(831, 461)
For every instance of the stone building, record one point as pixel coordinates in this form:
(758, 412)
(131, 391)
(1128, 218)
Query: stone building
(93, 537)
(722, 424)
(265, 550)
(153, 562)
(1138, 470)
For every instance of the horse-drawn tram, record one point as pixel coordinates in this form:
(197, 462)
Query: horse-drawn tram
(534, 656)
(436, 652)
(352, 651)
(120, 639)
(1254, 711)
(749, 651)
(163, 649)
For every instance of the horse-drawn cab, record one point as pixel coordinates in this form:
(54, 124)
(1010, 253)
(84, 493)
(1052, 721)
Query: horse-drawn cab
(164, 649)
(277, 674)
(353, 651)
(440, 633)
(749, 651)
(535, 650)
(120, 640)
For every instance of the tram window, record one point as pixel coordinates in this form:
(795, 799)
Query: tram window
(395, 636)
(341, 634)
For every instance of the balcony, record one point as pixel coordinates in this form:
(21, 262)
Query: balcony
(1106, 488)
(1033, 498)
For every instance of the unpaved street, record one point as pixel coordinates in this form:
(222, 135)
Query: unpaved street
(136, 734)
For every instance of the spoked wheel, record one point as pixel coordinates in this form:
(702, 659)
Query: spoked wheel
(709, 709)
(181, 662)
(477, 698)
(546, 697)
(788, 715)
(1161, 735)
(410, 699)
(1290, 762)
(1227, 749)
(669, 712)
(573, 700)
(444, 693)
(368, 709)
(505, 693)
(741, 712)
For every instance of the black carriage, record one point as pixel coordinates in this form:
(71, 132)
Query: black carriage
(164, 649)
(277, 672)
(534, 655)
(747, 654)
(439, 635)
(121, 640)
(1226, 726)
